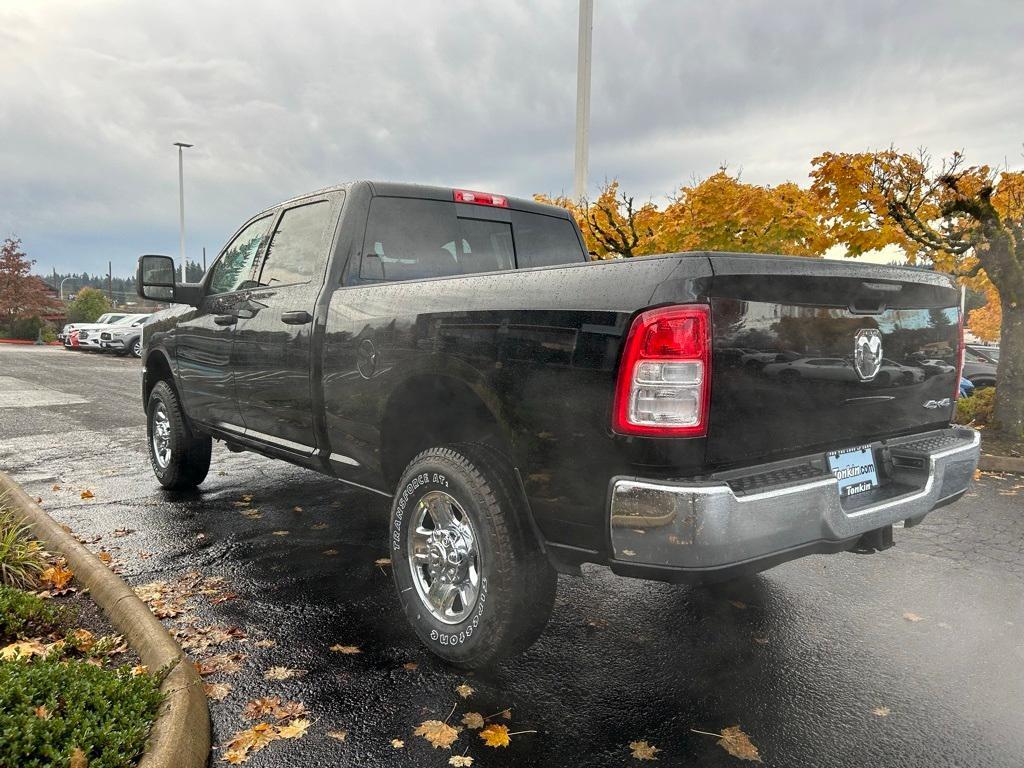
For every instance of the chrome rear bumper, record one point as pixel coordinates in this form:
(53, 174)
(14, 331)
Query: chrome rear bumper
(761, 514)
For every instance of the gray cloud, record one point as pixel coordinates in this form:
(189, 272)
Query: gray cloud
(284, 98)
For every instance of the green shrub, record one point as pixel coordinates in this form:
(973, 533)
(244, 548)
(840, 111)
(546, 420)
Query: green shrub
(977, 408)
(25, 615)
(88, 305)
(105, 713)
(49, 333)
(25, 328)
(22, 558)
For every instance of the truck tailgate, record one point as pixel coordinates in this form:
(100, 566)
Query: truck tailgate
(812, 355)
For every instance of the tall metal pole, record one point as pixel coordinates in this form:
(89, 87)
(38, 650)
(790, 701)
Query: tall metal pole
(586, 33)
(181, 203)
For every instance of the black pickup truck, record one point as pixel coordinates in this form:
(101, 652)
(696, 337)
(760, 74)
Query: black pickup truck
(686, 417)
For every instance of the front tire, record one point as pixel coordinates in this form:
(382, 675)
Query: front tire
(179, 458)
(136, 348)
(471, 577)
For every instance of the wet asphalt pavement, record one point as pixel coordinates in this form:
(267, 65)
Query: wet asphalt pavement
(914, 657)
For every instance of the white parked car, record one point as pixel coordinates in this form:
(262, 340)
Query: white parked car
(88, 336)
(104, 319)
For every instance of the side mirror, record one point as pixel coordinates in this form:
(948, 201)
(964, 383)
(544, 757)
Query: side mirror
(155, 278)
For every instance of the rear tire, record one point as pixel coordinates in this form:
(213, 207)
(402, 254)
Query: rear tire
(180, 459)
(460, 532)
(136, 348)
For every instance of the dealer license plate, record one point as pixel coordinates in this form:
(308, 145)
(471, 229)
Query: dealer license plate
(854, 468)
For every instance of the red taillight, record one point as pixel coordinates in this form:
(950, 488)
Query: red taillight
(959, 358)
(664, 382)
(480, 198)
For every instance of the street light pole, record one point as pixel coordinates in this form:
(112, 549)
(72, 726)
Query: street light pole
(61, 289)
(181, 203)
(586, 34)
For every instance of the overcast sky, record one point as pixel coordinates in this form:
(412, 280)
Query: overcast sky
(282, 98)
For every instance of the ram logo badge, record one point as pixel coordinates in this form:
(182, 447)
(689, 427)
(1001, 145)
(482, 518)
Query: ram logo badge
(867, 353)
(934, 404)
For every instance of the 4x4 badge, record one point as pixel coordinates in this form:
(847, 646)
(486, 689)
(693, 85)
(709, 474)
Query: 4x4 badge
(867, 353)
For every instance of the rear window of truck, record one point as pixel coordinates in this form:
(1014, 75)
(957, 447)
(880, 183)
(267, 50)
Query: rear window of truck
(409, 239)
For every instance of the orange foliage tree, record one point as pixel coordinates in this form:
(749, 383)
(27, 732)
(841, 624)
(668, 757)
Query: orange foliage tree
(723, 213)
(720, 213)
(613, 225)
(984, 321)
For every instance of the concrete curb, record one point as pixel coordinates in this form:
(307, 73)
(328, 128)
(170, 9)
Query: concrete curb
(180, 737)
(990, 463)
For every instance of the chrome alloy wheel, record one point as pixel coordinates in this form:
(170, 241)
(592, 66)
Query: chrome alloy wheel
(161, 436)
(444, 558)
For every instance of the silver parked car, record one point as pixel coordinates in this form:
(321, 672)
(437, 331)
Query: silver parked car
(126, 337)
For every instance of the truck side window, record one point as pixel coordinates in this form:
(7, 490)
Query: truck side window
(297, 245)
(234, 267)
(542, 241)
(408, 239)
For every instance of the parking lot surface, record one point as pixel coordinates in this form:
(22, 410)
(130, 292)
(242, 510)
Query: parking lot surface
(912, 657)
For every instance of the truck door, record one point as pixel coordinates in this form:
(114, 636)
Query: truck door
(271, 356)
(204, 336)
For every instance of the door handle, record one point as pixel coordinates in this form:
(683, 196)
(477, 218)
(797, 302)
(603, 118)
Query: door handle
(297, 317)
(225, 319)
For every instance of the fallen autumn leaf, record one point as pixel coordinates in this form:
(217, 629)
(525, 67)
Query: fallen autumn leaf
(217, 691)
(643, 751)
(56, 576)
(495, 735)
(295, 729)
(282, 673)
(346, 649)
(440, 735)
(735, 742)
